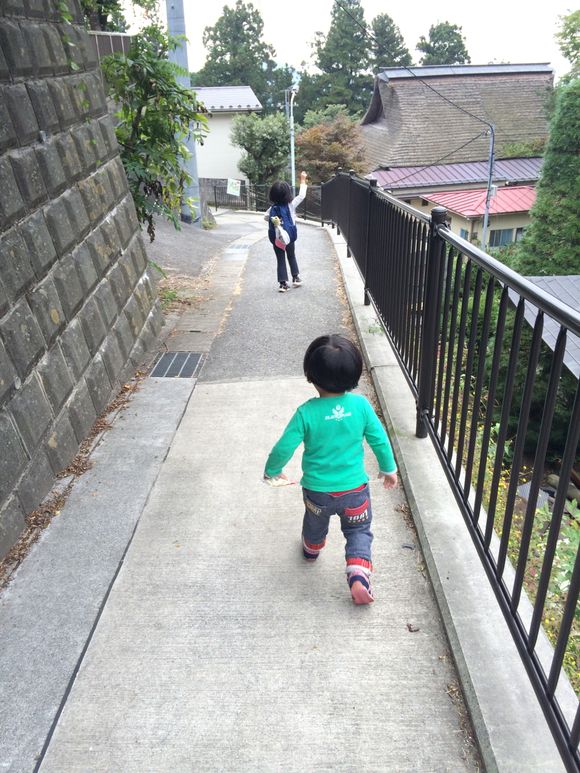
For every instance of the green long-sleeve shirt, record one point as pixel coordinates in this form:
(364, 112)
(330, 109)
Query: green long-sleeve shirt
(332, 430)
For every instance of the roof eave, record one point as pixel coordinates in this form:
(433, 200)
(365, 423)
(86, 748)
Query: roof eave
(375, 109)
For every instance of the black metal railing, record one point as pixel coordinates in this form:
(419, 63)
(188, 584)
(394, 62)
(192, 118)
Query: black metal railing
(255, 198)
(501, 403)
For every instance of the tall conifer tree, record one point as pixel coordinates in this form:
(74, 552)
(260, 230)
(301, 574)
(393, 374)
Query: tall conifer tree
(342, 56)
(551, 244)
(446, 45)
(388, 47)
(238, 56)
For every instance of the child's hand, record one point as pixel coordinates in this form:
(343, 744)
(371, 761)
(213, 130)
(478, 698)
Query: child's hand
(303, 177)
(390, 479)
(278, 480)
(275, 221)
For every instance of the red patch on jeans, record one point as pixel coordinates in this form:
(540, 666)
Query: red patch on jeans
(359, 562)
(311, 546)
(357, 510)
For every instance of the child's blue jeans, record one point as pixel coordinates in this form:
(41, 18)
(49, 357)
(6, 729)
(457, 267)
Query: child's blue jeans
(354, 509)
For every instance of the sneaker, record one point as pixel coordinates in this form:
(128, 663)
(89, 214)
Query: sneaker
(283, 287)
(360, 589)
(296, 281)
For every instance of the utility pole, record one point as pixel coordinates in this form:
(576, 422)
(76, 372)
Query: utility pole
(488, 194)
(176, 26)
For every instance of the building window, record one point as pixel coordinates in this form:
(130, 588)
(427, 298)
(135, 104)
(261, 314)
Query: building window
(500, 237)
(519, 234)
(464, 233)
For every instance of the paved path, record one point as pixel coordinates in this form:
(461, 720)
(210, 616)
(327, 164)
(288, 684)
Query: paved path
(217, 648)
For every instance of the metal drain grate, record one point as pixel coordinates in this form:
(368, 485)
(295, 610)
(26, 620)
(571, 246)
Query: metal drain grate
(177, 365)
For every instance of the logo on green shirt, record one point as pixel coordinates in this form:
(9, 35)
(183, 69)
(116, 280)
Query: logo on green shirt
(338, 414)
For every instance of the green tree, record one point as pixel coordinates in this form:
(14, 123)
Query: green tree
(568, 38)
(278, 80)
(527, 149)
(266, 145)
(324, 116)
(155, 113)
(236, 53)
(110, 14)
(323, 148)
(551, 244)
(388, 47)
(446, 45)
(313, 88)
(342, 55)
(238, 56)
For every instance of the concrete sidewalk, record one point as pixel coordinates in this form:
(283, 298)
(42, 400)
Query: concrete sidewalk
(217, 648)
(209, 645)
(220, 650)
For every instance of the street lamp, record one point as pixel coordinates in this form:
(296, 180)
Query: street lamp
(293, 92)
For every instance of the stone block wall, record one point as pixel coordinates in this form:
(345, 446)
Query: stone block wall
(77, 308)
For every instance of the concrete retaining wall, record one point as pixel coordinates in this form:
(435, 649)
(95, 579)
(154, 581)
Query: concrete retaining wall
(77, 309)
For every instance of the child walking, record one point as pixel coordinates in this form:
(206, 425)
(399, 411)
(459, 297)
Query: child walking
(334, 481)
(283, 213)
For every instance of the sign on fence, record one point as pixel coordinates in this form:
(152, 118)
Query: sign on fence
(233, 188)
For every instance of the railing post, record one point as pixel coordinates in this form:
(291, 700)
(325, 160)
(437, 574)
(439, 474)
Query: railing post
(429, 327)
(372, 189)
(337, 174)
(350, 176)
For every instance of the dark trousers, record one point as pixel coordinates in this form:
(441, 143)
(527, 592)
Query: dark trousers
(281, 256)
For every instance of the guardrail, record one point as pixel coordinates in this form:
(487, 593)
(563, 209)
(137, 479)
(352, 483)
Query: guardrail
(502, 407)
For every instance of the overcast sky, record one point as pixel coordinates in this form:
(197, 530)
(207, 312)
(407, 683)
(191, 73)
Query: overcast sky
(494, 30)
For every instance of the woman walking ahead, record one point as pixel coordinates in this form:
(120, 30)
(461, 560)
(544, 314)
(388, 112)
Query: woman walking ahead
(282, 214)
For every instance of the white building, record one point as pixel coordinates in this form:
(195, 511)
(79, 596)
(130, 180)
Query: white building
(217, 158)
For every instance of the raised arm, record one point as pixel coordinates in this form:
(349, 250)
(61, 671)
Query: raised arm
(302, 192)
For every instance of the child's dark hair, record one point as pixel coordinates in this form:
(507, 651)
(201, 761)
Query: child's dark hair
(333, 363)
(280, 193)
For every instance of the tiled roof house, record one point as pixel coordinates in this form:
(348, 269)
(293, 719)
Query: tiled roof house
(508, 212)
(407, 123)
(462, 189)
(405, 181)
